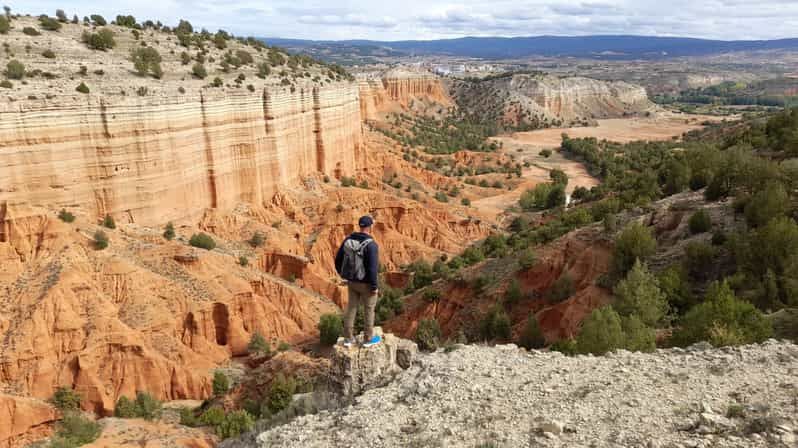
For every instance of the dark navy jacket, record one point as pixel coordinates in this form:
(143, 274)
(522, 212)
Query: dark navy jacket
(370, 259)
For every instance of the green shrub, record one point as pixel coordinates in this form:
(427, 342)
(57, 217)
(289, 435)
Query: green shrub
(722, 319)
(634, 242)
(281, 393)
(699, 259)
(428, 334)
(330, 328)
(30, 31)
(169, 231)
(257, 239)
(66, 399)
(6, 84)
(675, 284)
(243, 261)
(148, 407)
(4, 25)
(495, 324)
(188, 418)
(258, 345)
(441, 197)
(65, 216)
(565, 346)
(513, 294)
(75, 430)
(49, 23)
(561, 289)
(639, 295)
(772, 202)
(431, 295)
(126, 21)
(101, 40)
(601, 332)
(199, 71)
(125, 408)
(220, 383)
(202, 241)
(527, 258)
(100, 240)
(82, 88)
(15, 69)
(700, 222)
(465, 202)
(109, 222)
(213, 416)
(284, 346)
(146, 60)
(638, 337)
(98, 20)
(559, 177)
(217, 82)
(545, 153)
(264, 70)
(235, 424)
(49, 54)
(532, 336)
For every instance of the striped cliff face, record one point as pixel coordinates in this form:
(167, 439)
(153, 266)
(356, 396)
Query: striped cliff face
(156, 159)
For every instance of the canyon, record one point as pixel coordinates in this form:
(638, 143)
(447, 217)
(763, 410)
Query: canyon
(156, 315)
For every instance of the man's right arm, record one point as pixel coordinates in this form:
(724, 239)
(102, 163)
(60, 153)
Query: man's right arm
(339, 258)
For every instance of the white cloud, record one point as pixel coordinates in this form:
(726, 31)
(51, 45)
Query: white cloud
(428, 19)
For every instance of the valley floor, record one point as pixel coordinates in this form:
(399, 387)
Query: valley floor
(478, 396)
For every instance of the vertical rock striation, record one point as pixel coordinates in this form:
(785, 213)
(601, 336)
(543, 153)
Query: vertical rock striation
(155, 159)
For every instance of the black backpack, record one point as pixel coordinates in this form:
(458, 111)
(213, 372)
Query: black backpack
(353, 268)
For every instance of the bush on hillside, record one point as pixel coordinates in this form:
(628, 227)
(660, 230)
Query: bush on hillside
(699, 259)
(82, 88)
(100, 240)
(30, 31)
(144, 406)
(258, 345)
(49, 23)
(75, 430)
(639, 294)
(202, 241)
(65, 216)
(220, 383)
(213, 416)
(109, 222)
(532, 336)
(98, 20)
(494, 324)
(15, 69)
(169, 231)
(514, 294)
(634, 242)
(330, 328)
(722, 319)
(601, 332)
(257, 239)
(234, 424)
(125, 408)
(638, 337)
(561, 289)
(527, 258)
(281, 393)
(4, 25)
(66, 399)
(428, 334)
(700, 222)
(48, 54)
(772, 202)
(101, 40)
(146, 60)
(199, 71)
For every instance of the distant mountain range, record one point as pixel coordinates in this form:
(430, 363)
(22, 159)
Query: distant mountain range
(599, 47)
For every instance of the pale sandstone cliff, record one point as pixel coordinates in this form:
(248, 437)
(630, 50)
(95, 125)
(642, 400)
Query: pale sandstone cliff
(150, 161)
(527, 98)
(396, 89)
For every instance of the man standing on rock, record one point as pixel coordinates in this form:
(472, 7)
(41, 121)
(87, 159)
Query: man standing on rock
(357, 262)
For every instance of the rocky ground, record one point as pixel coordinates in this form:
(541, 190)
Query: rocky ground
(476, 396)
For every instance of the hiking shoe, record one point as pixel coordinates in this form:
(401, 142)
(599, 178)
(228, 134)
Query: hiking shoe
(376, 339)
(347, 343)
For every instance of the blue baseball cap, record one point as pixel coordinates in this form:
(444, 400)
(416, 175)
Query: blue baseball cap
(365, 221)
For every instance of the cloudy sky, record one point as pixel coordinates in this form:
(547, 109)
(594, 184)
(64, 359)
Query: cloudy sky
(433, 19)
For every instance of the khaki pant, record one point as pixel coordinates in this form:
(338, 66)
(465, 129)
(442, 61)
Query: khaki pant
(360, 294)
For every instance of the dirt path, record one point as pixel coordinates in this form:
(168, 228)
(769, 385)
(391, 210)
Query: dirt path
(526, 146)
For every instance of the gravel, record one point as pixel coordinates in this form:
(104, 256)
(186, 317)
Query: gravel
(477, 396)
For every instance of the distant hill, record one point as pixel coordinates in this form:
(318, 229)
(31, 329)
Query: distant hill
(600, 47)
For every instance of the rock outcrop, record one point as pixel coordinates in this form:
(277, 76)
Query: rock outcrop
(354, 370)
(23, 419)
(153, 160)
(505, 396)
(533, 100)
(395, 89)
